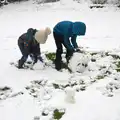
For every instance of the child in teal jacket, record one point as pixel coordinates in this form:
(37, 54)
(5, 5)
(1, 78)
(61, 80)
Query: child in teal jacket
(65, 33)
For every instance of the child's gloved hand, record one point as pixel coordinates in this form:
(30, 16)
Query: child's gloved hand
(77, 50)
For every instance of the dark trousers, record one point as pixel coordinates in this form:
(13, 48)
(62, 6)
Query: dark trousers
(24, 56)
(59, 41)
(22, 48)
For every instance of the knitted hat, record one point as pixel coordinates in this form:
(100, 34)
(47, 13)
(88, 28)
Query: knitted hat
(42, 35)
(48, 30)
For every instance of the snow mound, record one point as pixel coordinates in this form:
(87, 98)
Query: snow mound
(39, 66)
(79, 62)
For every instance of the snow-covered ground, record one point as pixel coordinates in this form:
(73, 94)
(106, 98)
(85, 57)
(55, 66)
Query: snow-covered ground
(31, 94)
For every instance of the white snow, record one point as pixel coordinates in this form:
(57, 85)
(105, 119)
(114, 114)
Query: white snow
(31, 92)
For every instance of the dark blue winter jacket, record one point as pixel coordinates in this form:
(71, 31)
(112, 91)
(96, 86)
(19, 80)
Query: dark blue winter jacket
(70, 29)
(28, 45)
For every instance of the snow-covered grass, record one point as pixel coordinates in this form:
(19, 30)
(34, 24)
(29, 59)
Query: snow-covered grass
(40, 93)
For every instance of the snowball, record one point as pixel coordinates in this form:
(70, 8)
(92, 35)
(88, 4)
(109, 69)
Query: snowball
(69, 95)
(79, 62)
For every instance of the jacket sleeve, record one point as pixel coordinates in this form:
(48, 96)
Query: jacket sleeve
(67, 43)
(73, 41)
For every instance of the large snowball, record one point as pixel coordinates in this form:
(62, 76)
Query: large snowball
(79, 62)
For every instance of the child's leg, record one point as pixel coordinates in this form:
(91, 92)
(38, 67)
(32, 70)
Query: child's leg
(69, 54)
(21, 46)
(23, 58)
(59, 51)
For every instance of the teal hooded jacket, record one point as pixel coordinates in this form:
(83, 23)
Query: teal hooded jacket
(70, 29)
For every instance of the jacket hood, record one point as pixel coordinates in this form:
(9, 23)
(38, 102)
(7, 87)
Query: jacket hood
(79, 28)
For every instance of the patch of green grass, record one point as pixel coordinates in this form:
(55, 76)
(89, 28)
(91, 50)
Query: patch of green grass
(102, 67)
(118, 64)
(57, 114)
(44, 114)
(56, 86)
(116, 56)
(51, 56)
(100, 77)
(99, 2)
(64, 86)
(5, 88)
(118, 69)
(94, 53)
(108, 72)
(93, 60)
(107, 53)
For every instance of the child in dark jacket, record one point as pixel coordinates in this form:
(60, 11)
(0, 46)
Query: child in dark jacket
(29, 44)
(65, 33)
